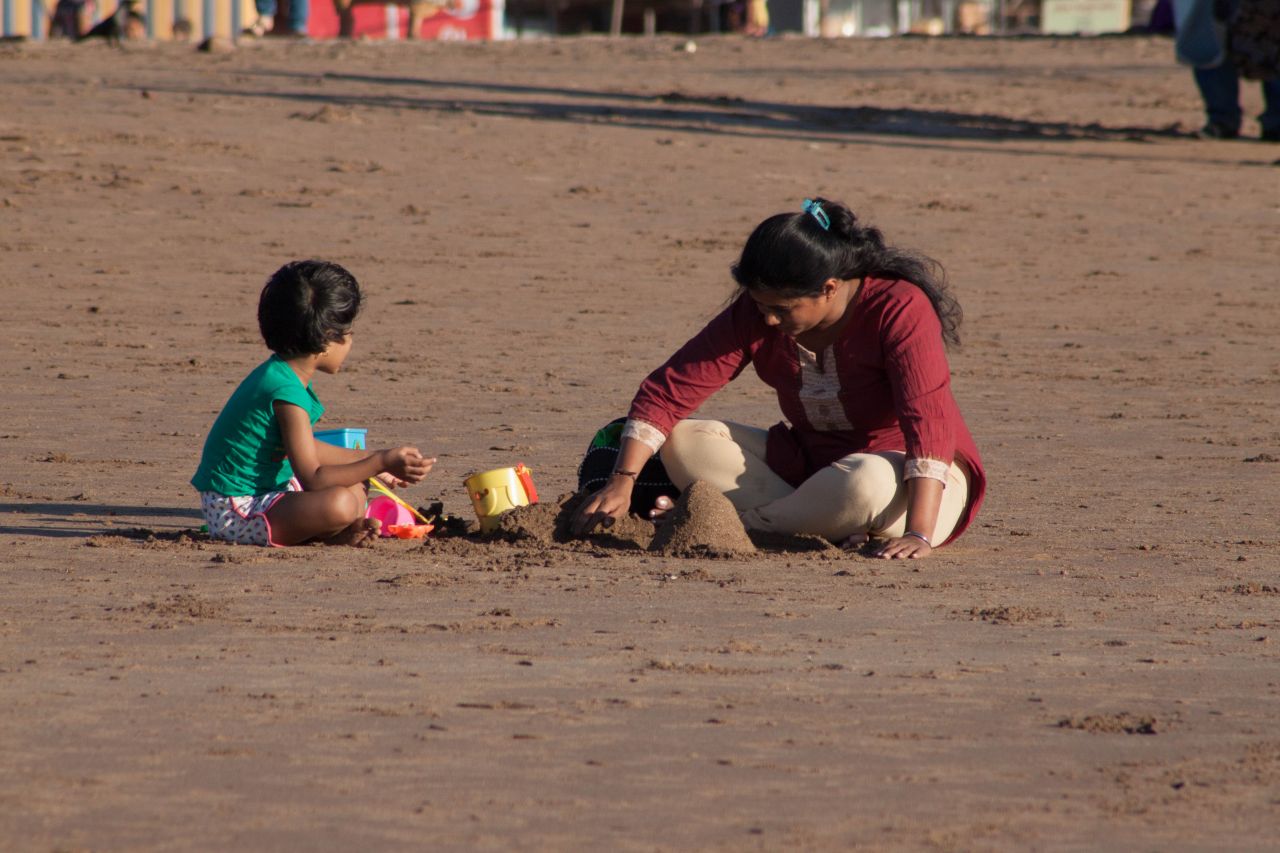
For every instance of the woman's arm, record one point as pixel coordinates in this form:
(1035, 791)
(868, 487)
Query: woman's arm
(614, 498)
(915, 361)
(306, 455)
(917, 369)
(924, 499)
(708, 362)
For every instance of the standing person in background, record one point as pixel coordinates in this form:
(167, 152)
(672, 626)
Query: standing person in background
(851, 333)
(127, 22)
(757, 18)
(65, 20)
(1224, 40)
(299, 11)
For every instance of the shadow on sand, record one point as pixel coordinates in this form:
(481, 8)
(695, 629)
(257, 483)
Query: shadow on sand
(725, 116)
(678, 112)
(72, 520)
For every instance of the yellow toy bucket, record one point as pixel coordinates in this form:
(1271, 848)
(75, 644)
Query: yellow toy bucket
(494, 492)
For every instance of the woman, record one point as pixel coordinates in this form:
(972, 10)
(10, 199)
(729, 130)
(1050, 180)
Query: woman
(851, 335)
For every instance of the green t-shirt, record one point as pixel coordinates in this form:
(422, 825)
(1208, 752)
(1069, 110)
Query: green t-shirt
(244, 453)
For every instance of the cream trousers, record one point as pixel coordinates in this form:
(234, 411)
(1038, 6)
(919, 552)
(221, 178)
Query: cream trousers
(859, 493)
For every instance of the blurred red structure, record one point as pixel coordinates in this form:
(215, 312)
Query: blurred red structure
(467, 20)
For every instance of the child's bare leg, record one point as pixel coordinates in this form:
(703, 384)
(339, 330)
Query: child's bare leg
(335, 516)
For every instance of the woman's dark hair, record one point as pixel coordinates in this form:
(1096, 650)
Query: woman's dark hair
(792, 254)
(307, 305)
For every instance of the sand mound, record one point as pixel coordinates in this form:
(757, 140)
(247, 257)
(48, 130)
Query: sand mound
(703, 523)
(548, 522)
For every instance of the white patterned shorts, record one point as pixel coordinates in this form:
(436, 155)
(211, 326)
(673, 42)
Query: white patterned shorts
(242, 520)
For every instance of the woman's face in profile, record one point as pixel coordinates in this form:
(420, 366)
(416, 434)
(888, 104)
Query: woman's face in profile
(795, 315)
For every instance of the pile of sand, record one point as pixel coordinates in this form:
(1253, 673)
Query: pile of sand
(548, 522)
(703, 523)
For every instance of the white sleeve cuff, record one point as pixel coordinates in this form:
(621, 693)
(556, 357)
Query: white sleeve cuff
(647, 434)
(933, 469)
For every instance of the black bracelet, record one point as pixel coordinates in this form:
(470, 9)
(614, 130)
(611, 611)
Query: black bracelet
(920, 536)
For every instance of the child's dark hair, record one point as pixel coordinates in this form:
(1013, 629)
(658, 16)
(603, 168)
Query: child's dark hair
(792, 254)
(307, 305)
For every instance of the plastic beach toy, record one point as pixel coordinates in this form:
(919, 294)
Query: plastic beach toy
(497, 491)
(390, 512)
(353, 438)
(409, 531)
(382, 490)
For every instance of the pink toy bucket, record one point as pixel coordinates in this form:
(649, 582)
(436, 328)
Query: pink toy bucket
(389, 513)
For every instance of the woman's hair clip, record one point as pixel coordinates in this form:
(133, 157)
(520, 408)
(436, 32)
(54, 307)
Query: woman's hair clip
(815, 210)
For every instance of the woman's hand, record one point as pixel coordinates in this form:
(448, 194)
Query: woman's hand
(604, 507)
(904, 548)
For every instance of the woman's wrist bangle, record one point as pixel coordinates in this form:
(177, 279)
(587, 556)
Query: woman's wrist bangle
(635, 475)
(920, 536)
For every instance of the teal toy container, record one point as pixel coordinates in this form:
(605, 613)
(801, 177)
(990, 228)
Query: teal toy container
(351, 438)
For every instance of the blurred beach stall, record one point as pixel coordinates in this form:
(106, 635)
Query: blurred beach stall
(467, 20)
(462, 20)
(30, 18)
(470, 20)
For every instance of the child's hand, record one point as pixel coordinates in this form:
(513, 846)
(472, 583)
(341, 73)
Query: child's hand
(390, 480)
(406, 463)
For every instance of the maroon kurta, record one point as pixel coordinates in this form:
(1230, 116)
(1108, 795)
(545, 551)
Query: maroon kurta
(895, 385)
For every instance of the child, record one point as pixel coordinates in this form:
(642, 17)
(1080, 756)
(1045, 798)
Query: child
(263, 478)
(850, 332)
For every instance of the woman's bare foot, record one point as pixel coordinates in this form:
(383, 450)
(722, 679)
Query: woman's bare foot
(660, 509)
(358, 534)
(857, 540)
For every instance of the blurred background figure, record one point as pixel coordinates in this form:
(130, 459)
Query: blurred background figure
(1224, 40)
(1161, 21)
(298, 11)
(757, 18)
(127, 22)
(65, 20)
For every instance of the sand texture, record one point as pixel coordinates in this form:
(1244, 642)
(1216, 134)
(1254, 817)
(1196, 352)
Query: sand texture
(537, 226)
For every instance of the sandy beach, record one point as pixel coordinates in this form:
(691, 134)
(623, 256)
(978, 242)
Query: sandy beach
(537, 225)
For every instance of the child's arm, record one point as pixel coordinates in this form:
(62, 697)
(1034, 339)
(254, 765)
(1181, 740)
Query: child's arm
(332, 454)
(304, 453)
